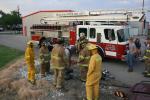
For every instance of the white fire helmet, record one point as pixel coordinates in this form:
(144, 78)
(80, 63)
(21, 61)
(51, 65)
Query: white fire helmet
(82, 34)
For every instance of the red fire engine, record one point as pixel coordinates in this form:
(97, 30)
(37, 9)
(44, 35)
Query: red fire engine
(101, 28)
(111, 40)
(109, 30)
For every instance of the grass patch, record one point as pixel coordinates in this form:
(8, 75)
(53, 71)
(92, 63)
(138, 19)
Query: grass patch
(8, 54)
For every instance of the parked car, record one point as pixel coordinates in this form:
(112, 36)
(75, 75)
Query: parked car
(1, 29)
(140, 91)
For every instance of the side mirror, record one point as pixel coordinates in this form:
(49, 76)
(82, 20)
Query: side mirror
(121, 94)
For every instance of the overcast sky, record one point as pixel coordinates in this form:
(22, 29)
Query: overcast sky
(29, 6)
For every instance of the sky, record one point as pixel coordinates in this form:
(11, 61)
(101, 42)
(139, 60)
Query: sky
(29, 6)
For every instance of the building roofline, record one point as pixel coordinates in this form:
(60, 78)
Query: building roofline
(46, 11)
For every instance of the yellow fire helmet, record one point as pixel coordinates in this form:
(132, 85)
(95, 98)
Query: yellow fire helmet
(30, 43)
(91, 46)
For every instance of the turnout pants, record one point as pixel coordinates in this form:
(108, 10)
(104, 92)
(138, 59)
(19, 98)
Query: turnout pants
(45, 67)
(31, 72)
(58, 78)
(92, 91)
(147, 66)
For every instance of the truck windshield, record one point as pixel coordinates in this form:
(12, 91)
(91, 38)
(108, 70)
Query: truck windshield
(123, 35)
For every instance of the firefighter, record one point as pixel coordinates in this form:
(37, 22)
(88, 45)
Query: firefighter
(29, 58)
(131, 55)
(58, 62)
(147, 59)
(68, 70)
(84, 57)
(94, 74)
(80, 41)
(44, 59)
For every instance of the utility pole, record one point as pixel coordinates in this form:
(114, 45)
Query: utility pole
(143, 7)
(17, 26)
(143, 27)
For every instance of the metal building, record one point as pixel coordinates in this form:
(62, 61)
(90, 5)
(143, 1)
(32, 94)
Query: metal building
(35, 18)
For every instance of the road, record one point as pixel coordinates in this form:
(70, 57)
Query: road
(117, 68)
(14, 41)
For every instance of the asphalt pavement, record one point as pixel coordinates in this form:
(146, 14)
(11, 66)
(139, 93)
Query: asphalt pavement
(14, 41)
(119, 70)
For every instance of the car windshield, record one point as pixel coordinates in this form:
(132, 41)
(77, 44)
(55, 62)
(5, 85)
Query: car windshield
(123, 35)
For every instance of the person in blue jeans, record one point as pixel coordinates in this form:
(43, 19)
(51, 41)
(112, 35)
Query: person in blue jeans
(131, 54)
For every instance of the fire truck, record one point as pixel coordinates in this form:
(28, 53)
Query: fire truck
(109, 30)
(111, 40)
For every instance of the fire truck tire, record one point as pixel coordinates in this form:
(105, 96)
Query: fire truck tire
(101, 52)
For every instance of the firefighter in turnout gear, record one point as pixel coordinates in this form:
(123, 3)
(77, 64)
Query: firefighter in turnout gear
(147, 59)
(84, 57)
(29, 58)
(44, 55)
(94, 74)
(81, 40)
(58, 63)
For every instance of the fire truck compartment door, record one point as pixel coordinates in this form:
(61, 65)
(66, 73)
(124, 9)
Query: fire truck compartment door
(110, 42)
(110, 49)
(72, 39)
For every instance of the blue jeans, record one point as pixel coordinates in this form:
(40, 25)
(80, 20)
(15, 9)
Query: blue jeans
(130, 60)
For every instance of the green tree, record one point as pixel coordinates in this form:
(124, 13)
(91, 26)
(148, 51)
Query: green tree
(16, 17)
(10, 20)
(1, 17)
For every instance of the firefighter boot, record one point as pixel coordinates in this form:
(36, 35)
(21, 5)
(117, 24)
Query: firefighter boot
(33, 82)
(43, 70)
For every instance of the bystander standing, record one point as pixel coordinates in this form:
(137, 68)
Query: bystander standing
(131, 54)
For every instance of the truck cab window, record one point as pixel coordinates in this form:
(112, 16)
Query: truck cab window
(120, 34)
(92, 33)
(32, 32)
(83, 30)
(109, 34)
(99, 37)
